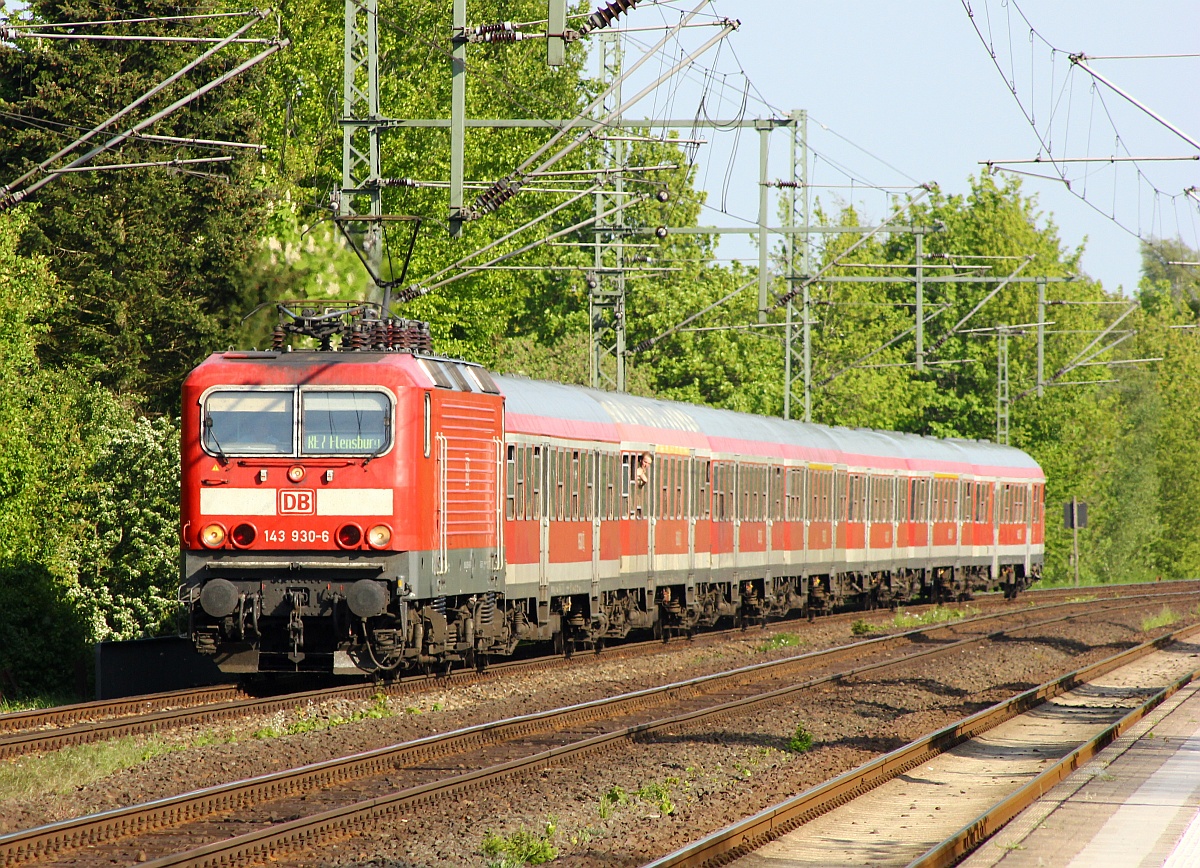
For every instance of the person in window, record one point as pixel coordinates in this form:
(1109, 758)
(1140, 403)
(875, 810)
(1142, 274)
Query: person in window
(643, 470)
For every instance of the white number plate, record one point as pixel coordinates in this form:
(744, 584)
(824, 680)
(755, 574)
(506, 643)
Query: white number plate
(297, 536)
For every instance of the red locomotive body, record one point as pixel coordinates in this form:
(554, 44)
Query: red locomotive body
(375, 508)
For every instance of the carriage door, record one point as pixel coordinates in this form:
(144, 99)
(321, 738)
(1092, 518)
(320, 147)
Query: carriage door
(961, 487)
(594, 484)
(657, 471)
(997, 505)
(635, 510)
(691, 504)
(542, 512)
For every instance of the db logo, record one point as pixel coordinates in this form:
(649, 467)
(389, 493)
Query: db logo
(297, 501)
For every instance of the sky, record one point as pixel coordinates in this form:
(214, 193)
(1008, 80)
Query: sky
(899, 93)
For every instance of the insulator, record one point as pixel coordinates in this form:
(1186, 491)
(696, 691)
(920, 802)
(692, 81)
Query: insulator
(502, 31)
(502, 36)
(356, 337)
(278, 336)
(496, 195)
(426, 338)
(399, 182)
(605, 15)
(378, 335)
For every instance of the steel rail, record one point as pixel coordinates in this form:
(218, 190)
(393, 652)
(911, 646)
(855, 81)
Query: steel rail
(45, 719)
(753, 832)
(129, 705)
(46, 841)
(31, 731)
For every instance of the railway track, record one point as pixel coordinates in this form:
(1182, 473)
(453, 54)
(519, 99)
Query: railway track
(335, 798)
(920, 757)
(42, 730)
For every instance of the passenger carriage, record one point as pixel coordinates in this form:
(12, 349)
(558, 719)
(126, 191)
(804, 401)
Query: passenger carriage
(375, 510)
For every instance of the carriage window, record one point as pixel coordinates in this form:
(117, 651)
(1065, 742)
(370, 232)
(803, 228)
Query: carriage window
(535, 474)
(248, 422)
(510, 483)
(576, 484)
(345, 423)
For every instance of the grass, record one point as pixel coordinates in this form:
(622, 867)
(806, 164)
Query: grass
(64, 770)
(1165, 618)
(778, 641)
(522, 847)
(938, 615)
(312, 723)
(862, 628)
(29, 703)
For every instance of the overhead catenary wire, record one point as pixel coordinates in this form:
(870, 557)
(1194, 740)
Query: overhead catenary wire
(508, 186)
(10, 195)
(1145, 227)
(418, 290)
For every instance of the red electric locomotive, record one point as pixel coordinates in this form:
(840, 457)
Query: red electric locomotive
(375, 507)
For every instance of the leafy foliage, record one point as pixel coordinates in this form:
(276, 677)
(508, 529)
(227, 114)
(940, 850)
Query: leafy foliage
(126, 539)
(522, 847)
(801, 741)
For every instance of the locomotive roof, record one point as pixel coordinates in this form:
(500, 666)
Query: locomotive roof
(535, 406)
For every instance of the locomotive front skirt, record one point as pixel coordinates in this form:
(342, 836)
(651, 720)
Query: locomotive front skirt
(366, 511)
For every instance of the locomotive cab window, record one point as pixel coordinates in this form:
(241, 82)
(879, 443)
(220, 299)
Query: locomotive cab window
(345, 422)
(248, 422)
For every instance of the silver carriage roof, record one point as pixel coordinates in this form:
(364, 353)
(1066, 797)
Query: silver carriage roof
(592, 409)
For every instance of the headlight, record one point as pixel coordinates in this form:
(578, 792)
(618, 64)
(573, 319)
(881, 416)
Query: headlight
(349, 536)
(295, 473)
(213, 536)
(379, 536)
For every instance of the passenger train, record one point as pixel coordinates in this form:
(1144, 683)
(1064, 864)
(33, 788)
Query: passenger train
(377, 508)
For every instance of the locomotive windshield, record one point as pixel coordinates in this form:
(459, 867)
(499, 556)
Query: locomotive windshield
(344, 423)
(248, 423)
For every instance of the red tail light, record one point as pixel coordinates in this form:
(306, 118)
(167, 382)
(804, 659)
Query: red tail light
(243, 535)
(349, 536)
